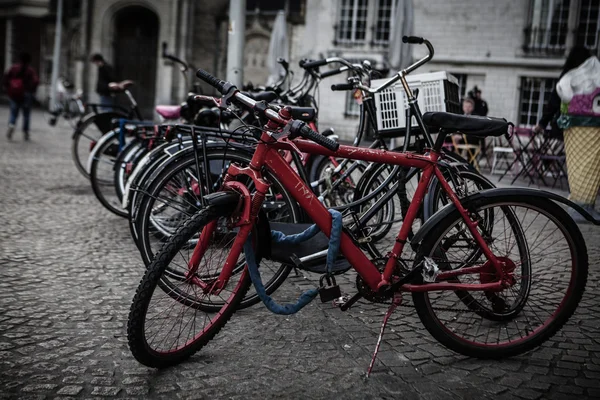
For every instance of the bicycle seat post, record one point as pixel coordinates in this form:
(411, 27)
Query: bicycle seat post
(439, 141)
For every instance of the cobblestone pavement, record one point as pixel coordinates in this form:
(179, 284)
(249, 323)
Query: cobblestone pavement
(68, 271)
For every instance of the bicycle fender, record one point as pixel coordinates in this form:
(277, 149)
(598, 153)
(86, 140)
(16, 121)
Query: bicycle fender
(106, 137)
(496, 193)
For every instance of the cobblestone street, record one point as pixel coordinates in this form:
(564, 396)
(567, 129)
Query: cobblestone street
(69, 269)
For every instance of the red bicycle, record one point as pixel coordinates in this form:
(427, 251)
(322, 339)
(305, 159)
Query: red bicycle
(496, 273)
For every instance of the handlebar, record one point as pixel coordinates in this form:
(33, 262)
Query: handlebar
(221, 86)
(332, 72)
(184, 66)
(424, 60)
(297, 128)
(313, 64)
(283, 63)
(342, 86)
(412, 39)
(401, 74)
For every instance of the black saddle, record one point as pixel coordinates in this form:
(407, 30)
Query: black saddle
(303, 113)
(467, 124)
(260, 96)
(285, 253)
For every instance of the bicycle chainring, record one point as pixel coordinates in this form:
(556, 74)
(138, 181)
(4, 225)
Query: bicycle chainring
(384, 296)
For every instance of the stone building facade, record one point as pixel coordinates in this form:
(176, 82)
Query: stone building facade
(129, 34)
(512, 49)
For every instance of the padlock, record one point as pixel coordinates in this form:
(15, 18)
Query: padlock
(330, 292)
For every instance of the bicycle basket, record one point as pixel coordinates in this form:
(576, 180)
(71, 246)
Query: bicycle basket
(438, 91)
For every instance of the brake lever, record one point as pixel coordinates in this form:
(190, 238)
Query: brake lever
(285, 136)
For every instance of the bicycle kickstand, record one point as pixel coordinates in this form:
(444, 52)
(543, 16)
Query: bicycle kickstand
(395, 303)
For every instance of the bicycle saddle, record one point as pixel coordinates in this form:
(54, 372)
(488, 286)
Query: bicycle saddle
(260, 96)
(467, 124)
(169, 112)
(120, 86)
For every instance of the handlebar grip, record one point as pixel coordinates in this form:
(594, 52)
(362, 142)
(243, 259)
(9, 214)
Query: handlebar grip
(314, 64)
(333, 72)
(211, 80)
(342, 86)
(302, 129)
(412, 39)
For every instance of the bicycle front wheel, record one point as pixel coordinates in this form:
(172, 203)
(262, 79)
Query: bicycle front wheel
(545, 257)
(171, 315)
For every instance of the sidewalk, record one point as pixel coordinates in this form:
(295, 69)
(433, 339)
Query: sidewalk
(68, 271)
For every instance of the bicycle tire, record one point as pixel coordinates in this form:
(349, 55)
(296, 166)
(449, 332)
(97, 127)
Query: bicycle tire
(576, 248)
(434, 197)
(137, 323)
(104, 153)
(80, 160)
(125, 164)
(147, 205)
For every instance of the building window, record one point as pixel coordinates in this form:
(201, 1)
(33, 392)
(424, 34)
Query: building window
(383, 26)
(589, 24)
(547, 30)
(535, 94)
(362, 21)
(352, 26)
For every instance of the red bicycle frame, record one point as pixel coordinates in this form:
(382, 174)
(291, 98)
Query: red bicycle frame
(268, 154)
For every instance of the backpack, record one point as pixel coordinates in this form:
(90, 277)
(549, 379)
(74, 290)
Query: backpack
(16, 87)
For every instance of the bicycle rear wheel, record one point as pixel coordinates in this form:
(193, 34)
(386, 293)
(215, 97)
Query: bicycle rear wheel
(542, 249)
(169, 319)
(102, 173)
(87, 134)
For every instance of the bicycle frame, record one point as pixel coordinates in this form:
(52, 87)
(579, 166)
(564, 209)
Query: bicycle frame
(267, 154)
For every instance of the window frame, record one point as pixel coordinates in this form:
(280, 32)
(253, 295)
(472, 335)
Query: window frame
(547, 84)
(376, 21)
(463, 79)
(535, 45)
(371, 25)
(578, 34)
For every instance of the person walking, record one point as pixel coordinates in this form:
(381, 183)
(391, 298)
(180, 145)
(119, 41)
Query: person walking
(20, 83)
(105, 76)
(578, 90)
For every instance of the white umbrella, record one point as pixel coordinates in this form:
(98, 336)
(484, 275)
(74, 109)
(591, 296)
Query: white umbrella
(400, 54)
(278, 47)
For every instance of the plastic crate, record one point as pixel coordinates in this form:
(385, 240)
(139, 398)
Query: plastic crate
(438, 91)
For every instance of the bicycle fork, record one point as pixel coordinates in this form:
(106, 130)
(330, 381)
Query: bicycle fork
(244, 220)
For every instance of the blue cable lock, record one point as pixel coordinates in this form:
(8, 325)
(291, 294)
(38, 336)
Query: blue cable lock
(280, 238)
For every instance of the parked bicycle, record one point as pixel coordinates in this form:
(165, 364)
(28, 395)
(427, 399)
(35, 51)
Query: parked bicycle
(496, 274)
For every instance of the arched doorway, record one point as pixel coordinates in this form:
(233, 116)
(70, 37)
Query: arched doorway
(135, 49)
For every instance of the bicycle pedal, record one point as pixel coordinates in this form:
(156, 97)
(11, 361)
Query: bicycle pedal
(340, 301)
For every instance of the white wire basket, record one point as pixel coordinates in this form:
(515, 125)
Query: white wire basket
(438, 91)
